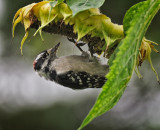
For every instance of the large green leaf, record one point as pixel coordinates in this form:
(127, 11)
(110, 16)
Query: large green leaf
(81, 5)
(128, 18)
(139, 18)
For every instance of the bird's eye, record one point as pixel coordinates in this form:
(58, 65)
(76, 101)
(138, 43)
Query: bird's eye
(45, 54)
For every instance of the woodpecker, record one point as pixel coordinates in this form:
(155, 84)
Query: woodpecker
(73, 71)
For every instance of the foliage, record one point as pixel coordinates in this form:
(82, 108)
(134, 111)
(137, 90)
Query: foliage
(81, 5)
(87, 20)
(126, 58)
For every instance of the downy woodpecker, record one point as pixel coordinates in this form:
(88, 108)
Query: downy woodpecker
(73, 71)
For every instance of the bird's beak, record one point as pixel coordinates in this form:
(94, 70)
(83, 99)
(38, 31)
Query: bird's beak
(53, 50)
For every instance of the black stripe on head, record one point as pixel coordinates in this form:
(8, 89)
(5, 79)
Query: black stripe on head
(40, 60)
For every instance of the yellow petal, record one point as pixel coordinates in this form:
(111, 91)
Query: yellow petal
(16, 15)
(19, 19)
(37, 7)
(150, 61)
(23, 40)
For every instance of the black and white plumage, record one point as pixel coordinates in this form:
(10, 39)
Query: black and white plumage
(74, 71)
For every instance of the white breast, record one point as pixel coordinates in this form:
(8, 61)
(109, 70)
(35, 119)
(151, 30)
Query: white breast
(79, 64)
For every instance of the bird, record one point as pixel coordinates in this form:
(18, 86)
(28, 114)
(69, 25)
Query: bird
(73, 71)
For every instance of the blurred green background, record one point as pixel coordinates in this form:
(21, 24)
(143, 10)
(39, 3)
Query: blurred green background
(28, 102)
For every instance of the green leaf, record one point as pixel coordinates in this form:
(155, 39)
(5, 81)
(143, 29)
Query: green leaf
(52, 4)
(60, 1)
(113, 56)
(128, 18)
(125, 61)
(81, 5)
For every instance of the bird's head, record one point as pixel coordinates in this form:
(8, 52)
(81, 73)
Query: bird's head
(44, 58)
